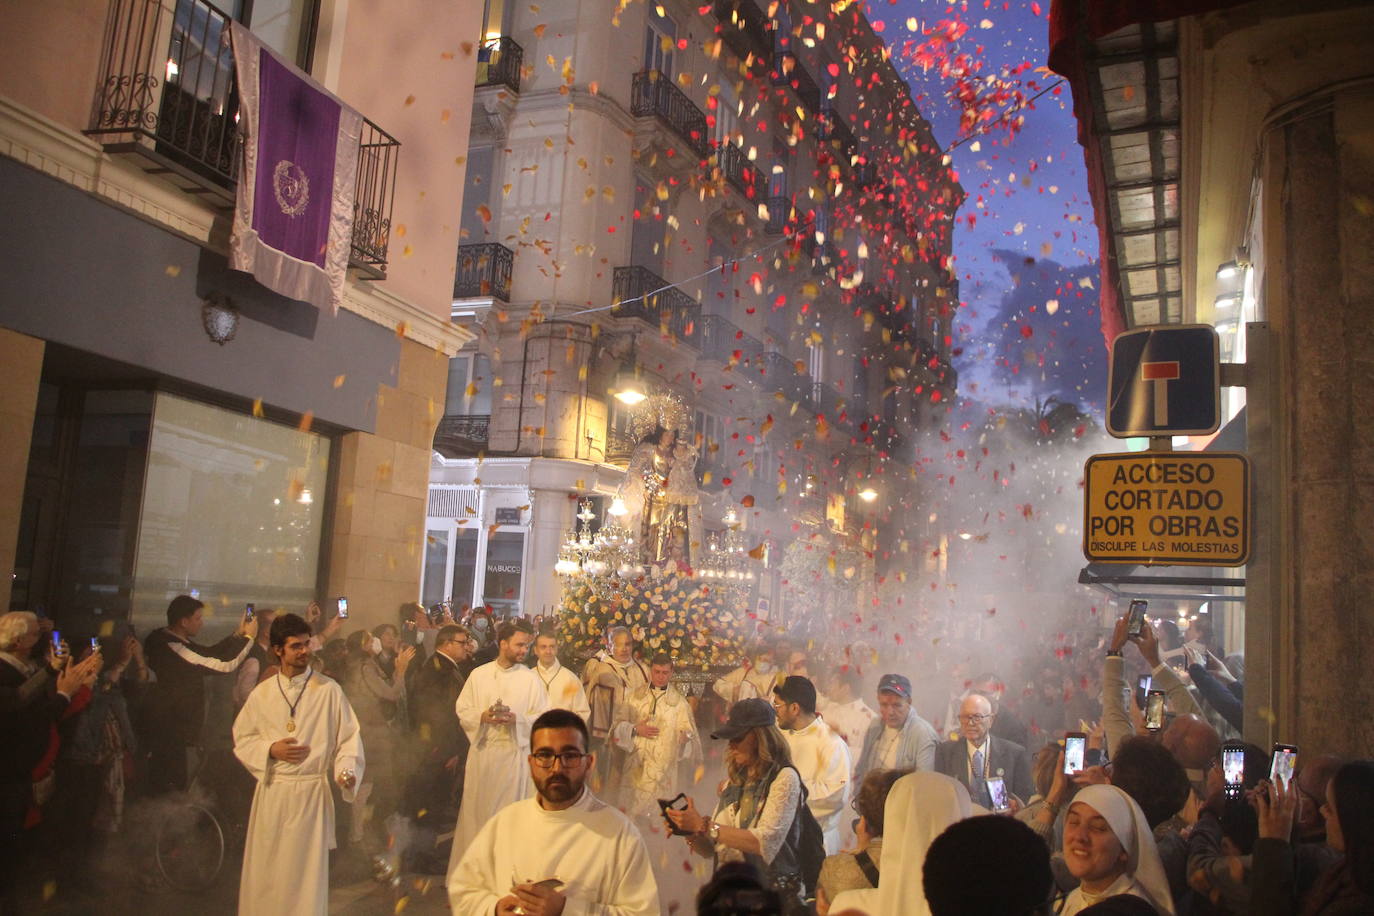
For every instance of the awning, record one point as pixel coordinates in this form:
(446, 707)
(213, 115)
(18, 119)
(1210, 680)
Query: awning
(1120, 58)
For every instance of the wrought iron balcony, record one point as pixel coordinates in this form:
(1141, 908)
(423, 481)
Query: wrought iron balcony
(789, 71)
(619, 446)
(462, 436)
(499, 61)
(831, 127)
(641, 293)
(653, 93)
(483, 270)
(168, 92)
(778, 373)
(779, 209)
(740, 172)
(721, 340)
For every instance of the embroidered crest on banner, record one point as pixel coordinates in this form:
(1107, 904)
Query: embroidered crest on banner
(291, 187)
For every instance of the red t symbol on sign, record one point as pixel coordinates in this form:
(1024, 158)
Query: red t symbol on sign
(1161, 373)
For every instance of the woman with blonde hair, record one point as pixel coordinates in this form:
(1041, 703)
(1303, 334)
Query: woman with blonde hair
(756, 817)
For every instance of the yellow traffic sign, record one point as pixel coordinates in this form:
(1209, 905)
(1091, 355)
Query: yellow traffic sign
(1167, 508)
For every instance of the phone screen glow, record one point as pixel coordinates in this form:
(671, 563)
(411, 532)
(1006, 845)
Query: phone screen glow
(1073, 754)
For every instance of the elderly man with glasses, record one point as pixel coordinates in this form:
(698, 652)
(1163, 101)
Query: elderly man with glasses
(564, 850)
(976, 755)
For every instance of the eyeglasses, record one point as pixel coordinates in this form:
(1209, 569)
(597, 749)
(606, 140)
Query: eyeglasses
(569, 759)
(974, 718)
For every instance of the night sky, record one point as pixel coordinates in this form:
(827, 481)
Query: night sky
(1025, 243)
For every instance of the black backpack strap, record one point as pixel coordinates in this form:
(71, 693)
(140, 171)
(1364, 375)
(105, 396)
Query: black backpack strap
(866, 866)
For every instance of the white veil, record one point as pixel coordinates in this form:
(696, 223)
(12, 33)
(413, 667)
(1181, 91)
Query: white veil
(919, 808)
(1128, 822)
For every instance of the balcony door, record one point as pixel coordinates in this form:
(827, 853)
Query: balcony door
(660, 40)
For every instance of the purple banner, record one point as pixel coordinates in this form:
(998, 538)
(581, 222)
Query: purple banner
(298, 130)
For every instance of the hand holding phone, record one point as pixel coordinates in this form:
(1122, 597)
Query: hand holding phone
(678, 803)
(342, 605)
(997, 791)
(1075, 748)
(1135, 623)
(1283, 764)
(1154, 710)
(1233, 768)
(248, 611)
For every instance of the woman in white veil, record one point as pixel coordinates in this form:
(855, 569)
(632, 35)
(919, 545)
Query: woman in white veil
(919, 808)
(1109, 847)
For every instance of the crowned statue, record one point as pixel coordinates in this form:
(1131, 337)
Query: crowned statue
(660, 493)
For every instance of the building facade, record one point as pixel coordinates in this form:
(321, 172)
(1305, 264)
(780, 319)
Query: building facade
(171, 425)
(737, 206)
(1229, 154)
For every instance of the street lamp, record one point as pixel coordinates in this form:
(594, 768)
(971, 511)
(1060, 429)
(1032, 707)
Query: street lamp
(628, 387)
(868, 494)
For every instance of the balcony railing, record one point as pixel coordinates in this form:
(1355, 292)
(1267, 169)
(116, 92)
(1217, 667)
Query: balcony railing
(499, 61)
(778, 373)
(779, 209)
(483, 270)
(462, 436)
(740, 172)
(832, 127)
(653, 93)
(168, 92)
(722, 339)
(641, 293)
(619, 446)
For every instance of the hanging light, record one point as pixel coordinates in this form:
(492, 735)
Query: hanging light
(868, 494)
(628, 388)
(617, 508)
(1229, 270)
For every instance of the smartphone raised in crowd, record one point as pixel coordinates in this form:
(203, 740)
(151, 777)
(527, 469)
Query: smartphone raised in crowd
(1154, 710)
(248, 611)
(1135, 621)
(1233, 767)
(57, 642)
(1283, 763)
(95, 643)
(343, 608)
(1075, 748)
(997, 791)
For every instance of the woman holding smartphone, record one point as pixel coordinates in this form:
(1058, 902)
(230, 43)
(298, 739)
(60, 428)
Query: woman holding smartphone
(755, 818)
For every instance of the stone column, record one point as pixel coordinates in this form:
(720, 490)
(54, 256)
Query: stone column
(22, 357)
(1319, 292)
(376, 542)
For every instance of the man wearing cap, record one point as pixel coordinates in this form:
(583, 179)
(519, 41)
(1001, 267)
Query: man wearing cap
(898, 738)
(820, 755)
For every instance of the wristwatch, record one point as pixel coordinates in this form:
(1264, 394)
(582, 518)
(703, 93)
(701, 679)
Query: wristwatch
(1113, 653)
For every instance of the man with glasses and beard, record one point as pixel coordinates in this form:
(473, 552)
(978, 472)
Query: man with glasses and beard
(561, 851)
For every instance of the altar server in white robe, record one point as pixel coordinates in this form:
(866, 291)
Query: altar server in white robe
(562, 851)
(656, 730)
(294, 733)
(563, 687)
(499, 702)
(820, 755)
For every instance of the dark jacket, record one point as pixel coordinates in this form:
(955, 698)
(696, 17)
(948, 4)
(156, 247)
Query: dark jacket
(1227, 699)
(1276, 889)
(29, 707)
(176, 703)
(1005, 759)
(436, 689)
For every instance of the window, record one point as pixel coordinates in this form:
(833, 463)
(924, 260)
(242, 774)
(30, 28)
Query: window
(232, 505)
(646, 240)
(777, 176)
(480, 174)
(505, 569)
(464, 567)
(464, 371)
(727, 116)
(660, 38)
(436, 559)
(493, 19)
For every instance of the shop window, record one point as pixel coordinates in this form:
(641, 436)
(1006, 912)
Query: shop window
(436, 563)
(232, 508)
(504, 570)
(464, 568)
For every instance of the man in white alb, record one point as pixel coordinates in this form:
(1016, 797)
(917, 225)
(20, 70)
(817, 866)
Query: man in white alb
(294, 733)
(563, 687)
(844, 709)
(655, 729)
(499, 702)
(563, 851)
(608, 678)
(749, 680)
(819, 755)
